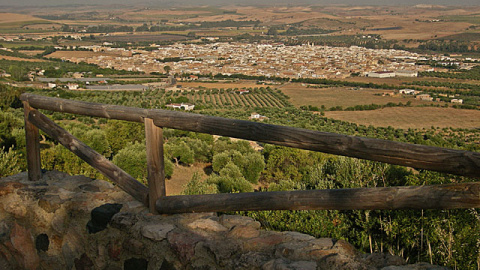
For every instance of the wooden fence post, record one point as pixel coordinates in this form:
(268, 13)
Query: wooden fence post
(33, 146)
(155, 163)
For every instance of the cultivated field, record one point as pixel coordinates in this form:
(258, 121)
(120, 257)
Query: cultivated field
(341, 96)
(411, 117)
(219, 85)
(12, 58)
(81, 54)
(14, 17)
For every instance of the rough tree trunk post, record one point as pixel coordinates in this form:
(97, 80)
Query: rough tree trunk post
(34, 165)
(155, 163)
(96, 160)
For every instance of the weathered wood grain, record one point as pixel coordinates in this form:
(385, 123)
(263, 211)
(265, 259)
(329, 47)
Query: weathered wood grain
(34, 165)
(451, 196)
(417, 156)
(96, 160)
(155, 163)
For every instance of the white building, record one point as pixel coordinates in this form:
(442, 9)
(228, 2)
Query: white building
(406, 73)
(381, 74)
(407, 91)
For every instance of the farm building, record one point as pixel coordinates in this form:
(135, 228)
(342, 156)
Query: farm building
(424, 97)
(381, 74)
(407, 91)
(406, 73)
(457, 101)
(185, 106)
(257, 116)
(72, 86)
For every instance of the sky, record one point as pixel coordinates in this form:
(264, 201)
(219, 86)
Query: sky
(240, 2)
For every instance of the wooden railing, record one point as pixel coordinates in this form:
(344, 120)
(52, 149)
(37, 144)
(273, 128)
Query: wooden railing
(464, 163)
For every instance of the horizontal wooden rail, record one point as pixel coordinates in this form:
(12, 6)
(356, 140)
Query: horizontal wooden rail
(451, 196)
(446, 160)
(96, 160)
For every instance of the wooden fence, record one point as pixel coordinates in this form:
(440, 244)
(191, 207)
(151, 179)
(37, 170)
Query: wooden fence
(464, 163)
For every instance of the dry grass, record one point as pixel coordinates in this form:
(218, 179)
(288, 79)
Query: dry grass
(340, 96)
(12, 58)
(30, 52)
(181, 176)
(12, 17)
(412, 117)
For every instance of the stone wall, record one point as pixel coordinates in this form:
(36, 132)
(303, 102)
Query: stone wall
(73, 222)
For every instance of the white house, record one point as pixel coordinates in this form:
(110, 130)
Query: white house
(72, 86)
(257, 116)
(185, 106)
(51, 85)
(457, 101)
(407, 91)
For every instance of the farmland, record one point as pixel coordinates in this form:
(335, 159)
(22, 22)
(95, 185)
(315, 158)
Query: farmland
(412, 117)
(342, 96)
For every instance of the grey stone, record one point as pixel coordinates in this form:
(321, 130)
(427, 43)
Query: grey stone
(157, 232)
(123, 221)
(296, 236)
(322, 243)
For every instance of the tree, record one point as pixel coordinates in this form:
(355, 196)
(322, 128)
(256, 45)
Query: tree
(230, 180)
(196, 187)
(10, 162)
(167, 69)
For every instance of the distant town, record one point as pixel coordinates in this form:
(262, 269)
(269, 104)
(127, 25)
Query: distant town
(270, 60)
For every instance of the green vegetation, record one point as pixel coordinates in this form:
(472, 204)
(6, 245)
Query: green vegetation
(472, 74)
(57, 68)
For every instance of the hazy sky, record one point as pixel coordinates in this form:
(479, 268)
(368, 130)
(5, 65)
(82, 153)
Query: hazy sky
(240, 2)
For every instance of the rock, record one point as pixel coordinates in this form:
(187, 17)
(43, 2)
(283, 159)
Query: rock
(322, 243)
(263, 242)
(89, 188)
(50, 203)
(115, 250)
(17, 208)
(282, 264)
(183, 243)
(84, 263)
(22, 241)
(8, 187)
(157, 232)
(101, 216)
(292, 250)
(5, 228)
(123, 221)
(380, 260)
(134, 246)
(230, 221)
(243, 232)
(249, 259)
(296, 236)
(207, 224)
(345, 248)
(417, 266)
